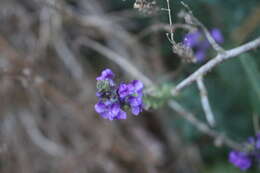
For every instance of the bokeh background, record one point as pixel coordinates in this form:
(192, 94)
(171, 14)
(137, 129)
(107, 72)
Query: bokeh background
(48, 71)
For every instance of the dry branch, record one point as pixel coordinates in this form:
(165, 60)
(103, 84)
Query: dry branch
(232, 53)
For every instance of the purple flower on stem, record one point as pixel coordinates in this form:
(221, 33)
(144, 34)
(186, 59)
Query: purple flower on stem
(240, 160)
(251, 153)
(199, 44)
(107, 75)
(113, 100)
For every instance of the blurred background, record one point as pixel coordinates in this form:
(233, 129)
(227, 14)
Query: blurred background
(51, 52)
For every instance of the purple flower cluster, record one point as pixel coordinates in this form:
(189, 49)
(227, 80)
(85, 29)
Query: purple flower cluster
(240, 159)
(199, 44)
(245, 159)
(115, 100)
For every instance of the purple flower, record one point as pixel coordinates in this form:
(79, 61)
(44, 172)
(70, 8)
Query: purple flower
(192, 39)
(132, 95)
(107, 75)
(100, 107)
(199, 44)
(109, 110)
(125, 90)
(136, 109)
(200, 55)
(217, 35)
(134, 101)
(114, 100)
(251, 152)
(240, 160)
(138, 86)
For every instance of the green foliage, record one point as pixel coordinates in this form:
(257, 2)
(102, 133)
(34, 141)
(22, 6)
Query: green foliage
(253, 79)
(158, 96)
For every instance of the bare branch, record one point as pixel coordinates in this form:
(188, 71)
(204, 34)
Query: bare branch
(205, 102)
(215, 61)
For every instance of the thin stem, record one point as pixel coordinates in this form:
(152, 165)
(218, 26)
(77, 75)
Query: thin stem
(205, 102)
(170, 20)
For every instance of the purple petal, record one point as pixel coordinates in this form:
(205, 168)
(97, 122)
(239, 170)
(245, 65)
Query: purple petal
(138, 85)
(115, 108)
(100, 107)
(217, 35)
(123, 90)
(257, 144)
(200, 55)
(121, 115)
(240, 160)
(106, 75)
(135, 101)
(192, 39)
(136, 110)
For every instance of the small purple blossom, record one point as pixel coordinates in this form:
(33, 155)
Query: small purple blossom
(200, 55)
(192, 39)
(107, 75)
(137, 85)
(199, 44)
(240, 160)
(217, 35)
(125, 90)
(109, 110)
(114, 100)
(132, 95)
(251, 153)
